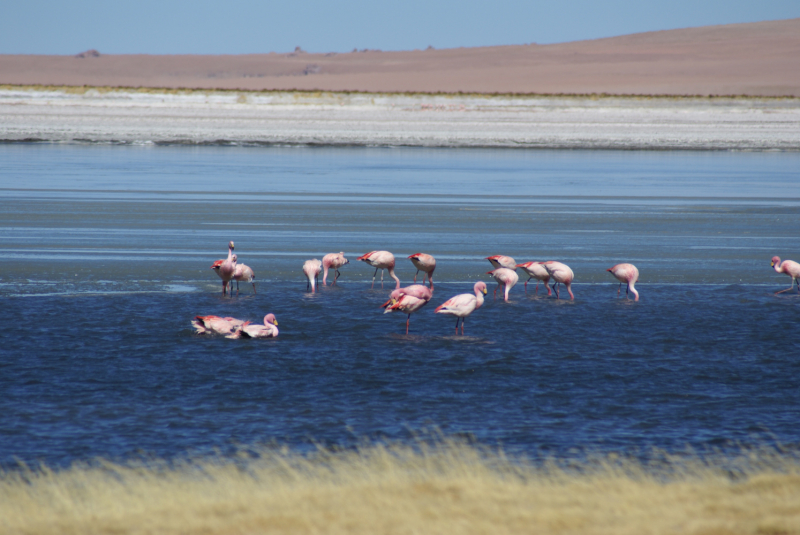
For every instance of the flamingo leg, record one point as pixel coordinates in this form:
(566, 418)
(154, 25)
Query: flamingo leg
(237, 288)
(619, 289)
(537, 288)
(526, 284)
(495, 290)
(457, 318)
(408, 319)
(463, 321)
(555, 287)
(373, 277)
(381, 278)
(254, 288)
(415, 276)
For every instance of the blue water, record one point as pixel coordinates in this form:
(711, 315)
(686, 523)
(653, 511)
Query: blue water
(106, 254)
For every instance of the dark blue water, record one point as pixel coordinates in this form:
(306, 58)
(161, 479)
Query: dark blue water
(106, 254)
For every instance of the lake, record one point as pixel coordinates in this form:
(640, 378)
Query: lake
(106, 255)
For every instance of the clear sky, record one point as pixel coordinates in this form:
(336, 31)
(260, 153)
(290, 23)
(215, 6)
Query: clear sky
(257, 26)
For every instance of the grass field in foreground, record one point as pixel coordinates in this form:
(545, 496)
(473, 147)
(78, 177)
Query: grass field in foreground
(427, 488)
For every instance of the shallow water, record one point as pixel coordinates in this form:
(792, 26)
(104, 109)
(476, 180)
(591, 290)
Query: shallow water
(106, 254)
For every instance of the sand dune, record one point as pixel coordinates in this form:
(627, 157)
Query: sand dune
(761, 58)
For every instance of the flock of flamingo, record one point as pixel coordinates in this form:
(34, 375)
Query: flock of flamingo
(412, 298)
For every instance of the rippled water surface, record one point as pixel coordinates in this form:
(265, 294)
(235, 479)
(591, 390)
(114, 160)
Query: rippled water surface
(106, 254)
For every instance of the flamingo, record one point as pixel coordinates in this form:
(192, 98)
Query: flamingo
(505, 276)
(536, 271)
(791, 268)
(425, 263)
(247, 330)
(499, 261)
(462, 305)
(408, 303)
(628, 274)
(215, 324)
(243, 273)
(225, 268)
(312, 269)
(419, 291)
(561, 274)
(333, 261)
(380, 260)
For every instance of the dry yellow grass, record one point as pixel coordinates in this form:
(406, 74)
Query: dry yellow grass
(441, 488)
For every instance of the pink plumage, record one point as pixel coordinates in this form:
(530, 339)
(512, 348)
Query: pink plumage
(505, 277)
(626, 274)
(789, 267)
(312, 269)
(425, 263)
(248, 330)
(561, 274)
(537, 271)
(333, 261)
(380, 260)
(499, 261)
(462, 305)
(408, 300)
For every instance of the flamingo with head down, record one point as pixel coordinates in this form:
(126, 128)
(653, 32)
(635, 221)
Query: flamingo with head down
(380, 260)
(462, 305)
(333, 261)
(408, 300)
(247, 330)
(506, 277)
(242, 273)
(312, 269)
(499, 261)
(627, 274)
(536, 271)
(425, 263)
(791, 268)
(226, 268)
(561, 274)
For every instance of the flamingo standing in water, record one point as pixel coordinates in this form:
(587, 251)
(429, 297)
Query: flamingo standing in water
(243, 273)
(425, 263)
(791, 268)
(333, 261)
(312, 269)
(408, 300)
(226, 268)
(380, 260)
(247, 330)
(462, 305)
(628, 274)
(499, 261)
(561, 274)
(215, 324)
(505, 276)
(536, 271)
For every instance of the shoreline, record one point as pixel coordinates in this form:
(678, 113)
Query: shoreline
(105, 115)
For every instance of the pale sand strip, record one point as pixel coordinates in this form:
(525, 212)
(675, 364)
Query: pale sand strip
(194, 117)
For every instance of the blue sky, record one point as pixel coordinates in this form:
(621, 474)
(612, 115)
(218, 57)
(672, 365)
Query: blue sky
(251, 26)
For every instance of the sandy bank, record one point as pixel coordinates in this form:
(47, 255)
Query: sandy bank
(328, 118)
(757, 59)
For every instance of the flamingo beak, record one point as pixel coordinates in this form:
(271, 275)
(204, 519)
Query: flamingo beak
(276, 323)
(772, 264)
(485, 291)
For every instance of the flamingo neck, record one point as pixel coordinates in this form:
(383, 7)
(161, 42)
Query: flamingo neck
(479, 299)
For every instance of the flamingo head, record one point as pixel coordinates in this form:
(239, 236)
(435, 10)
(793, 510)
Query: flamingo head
(480, 286)
(775, 260)
(230, 245)
(234, 258)
(389, 305)
(270, 318)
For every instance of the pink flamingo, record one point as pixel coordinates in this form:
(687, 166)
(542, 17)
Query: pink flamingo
(312, 268)
(268, 330)
(408, 303)
(225, 269)
(215, 324)
(561, 274)
(419, 291)
(504, 276)
(333, 261)
(789, 267)
(499, 261)
(536, 271)
(628, 274)
(242, 273)
(380, 260)
(462, 305)
(425, 263)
